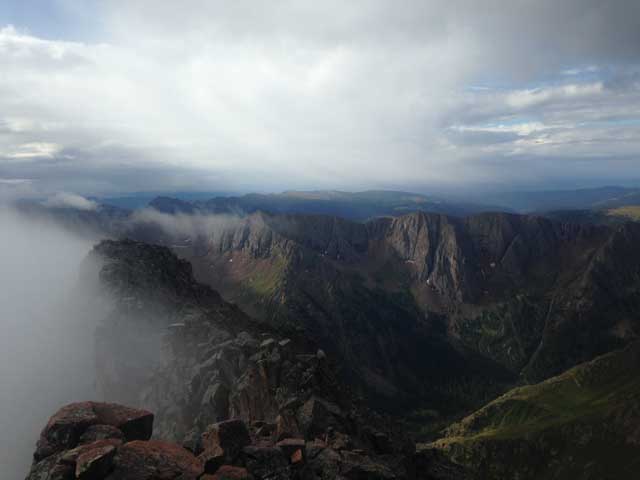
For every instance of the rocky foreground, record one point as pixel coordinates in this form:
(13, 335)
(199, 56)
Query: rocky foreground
(232, 397)
(95, 441)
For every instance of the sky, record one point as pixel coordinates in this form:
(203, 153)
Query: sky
(110, 97)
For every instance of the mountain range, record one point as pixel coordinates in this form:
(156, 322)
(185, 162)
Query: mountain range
(503, 344)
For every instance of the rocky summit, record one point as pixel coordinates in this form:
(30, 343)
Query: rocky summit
(101, 441)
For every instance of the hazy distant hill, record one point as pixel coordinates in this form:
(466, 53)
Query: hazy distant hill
(582, 199)
(599, 216)
(349, 205)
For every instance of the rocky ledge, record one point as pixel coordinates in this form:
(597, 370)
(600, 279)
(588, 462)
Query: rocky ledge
(106, 441)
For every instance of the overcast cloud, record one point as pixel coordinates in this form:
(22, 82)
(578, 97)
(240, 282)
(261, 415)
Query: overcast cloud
(246, 95)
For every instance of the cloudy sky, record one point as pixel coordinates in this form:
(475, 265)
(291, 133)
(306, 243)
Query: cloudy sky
(101, 97)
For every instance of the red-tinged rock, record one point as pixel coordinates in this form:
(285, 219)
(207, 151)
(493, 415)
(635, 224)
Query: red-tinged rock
(230, 436)
(95, 463)
(101, 432)
(229, 472)
(70, 457)
(296, 457)
(66, 427)
(134, 423)
(51, 468)
(154, 460)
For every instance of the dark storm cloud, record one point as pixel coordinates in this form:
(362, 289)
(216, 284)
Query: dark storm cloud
(272, 95)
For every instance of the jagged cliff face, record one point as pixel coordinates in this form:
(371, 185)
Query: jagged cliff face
(427, 296)
(321, 277)
(150, 289)
(211, 361)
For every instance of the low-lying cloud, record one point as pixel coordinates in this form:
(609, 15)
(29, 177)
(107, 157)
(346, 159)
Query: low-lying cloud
(70, 200)
(46, 341)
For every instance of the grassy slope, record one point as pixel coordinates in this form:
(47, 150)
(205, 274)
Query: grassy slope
(629, 212)
(583, 422)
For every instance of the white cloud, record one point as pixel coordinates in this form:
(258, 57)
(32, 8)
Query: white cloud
(304, 95)
(528, 98)
(70, 200)
(14, 181)
(32, 150)
(521, 129)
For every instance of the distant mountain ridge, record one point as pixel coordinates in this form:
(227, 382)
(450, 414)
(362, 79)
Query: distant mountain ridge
(548, 200)
(351, 205)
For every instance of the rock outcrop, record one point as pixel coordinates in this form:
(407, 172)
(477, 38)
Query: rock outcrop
(227, 450)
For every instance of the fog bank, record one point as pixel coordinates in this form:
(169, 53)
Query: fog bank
(46, 340)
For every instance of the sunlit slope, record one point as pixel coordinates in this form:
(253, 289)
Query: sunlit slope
(582, 424)
(629, 212)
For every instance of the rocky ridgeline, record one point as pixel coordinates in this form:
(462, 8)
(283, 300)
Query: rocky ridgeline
(232, 395)
(106, 441)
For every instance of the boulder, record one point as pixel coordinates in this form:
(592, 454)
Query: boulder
(224, 441)
(70, 457)
(94, 463)
(101, 432)
(154, 460)
(64, 429)
(67, 426)
(134, 423)
(51, 468)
